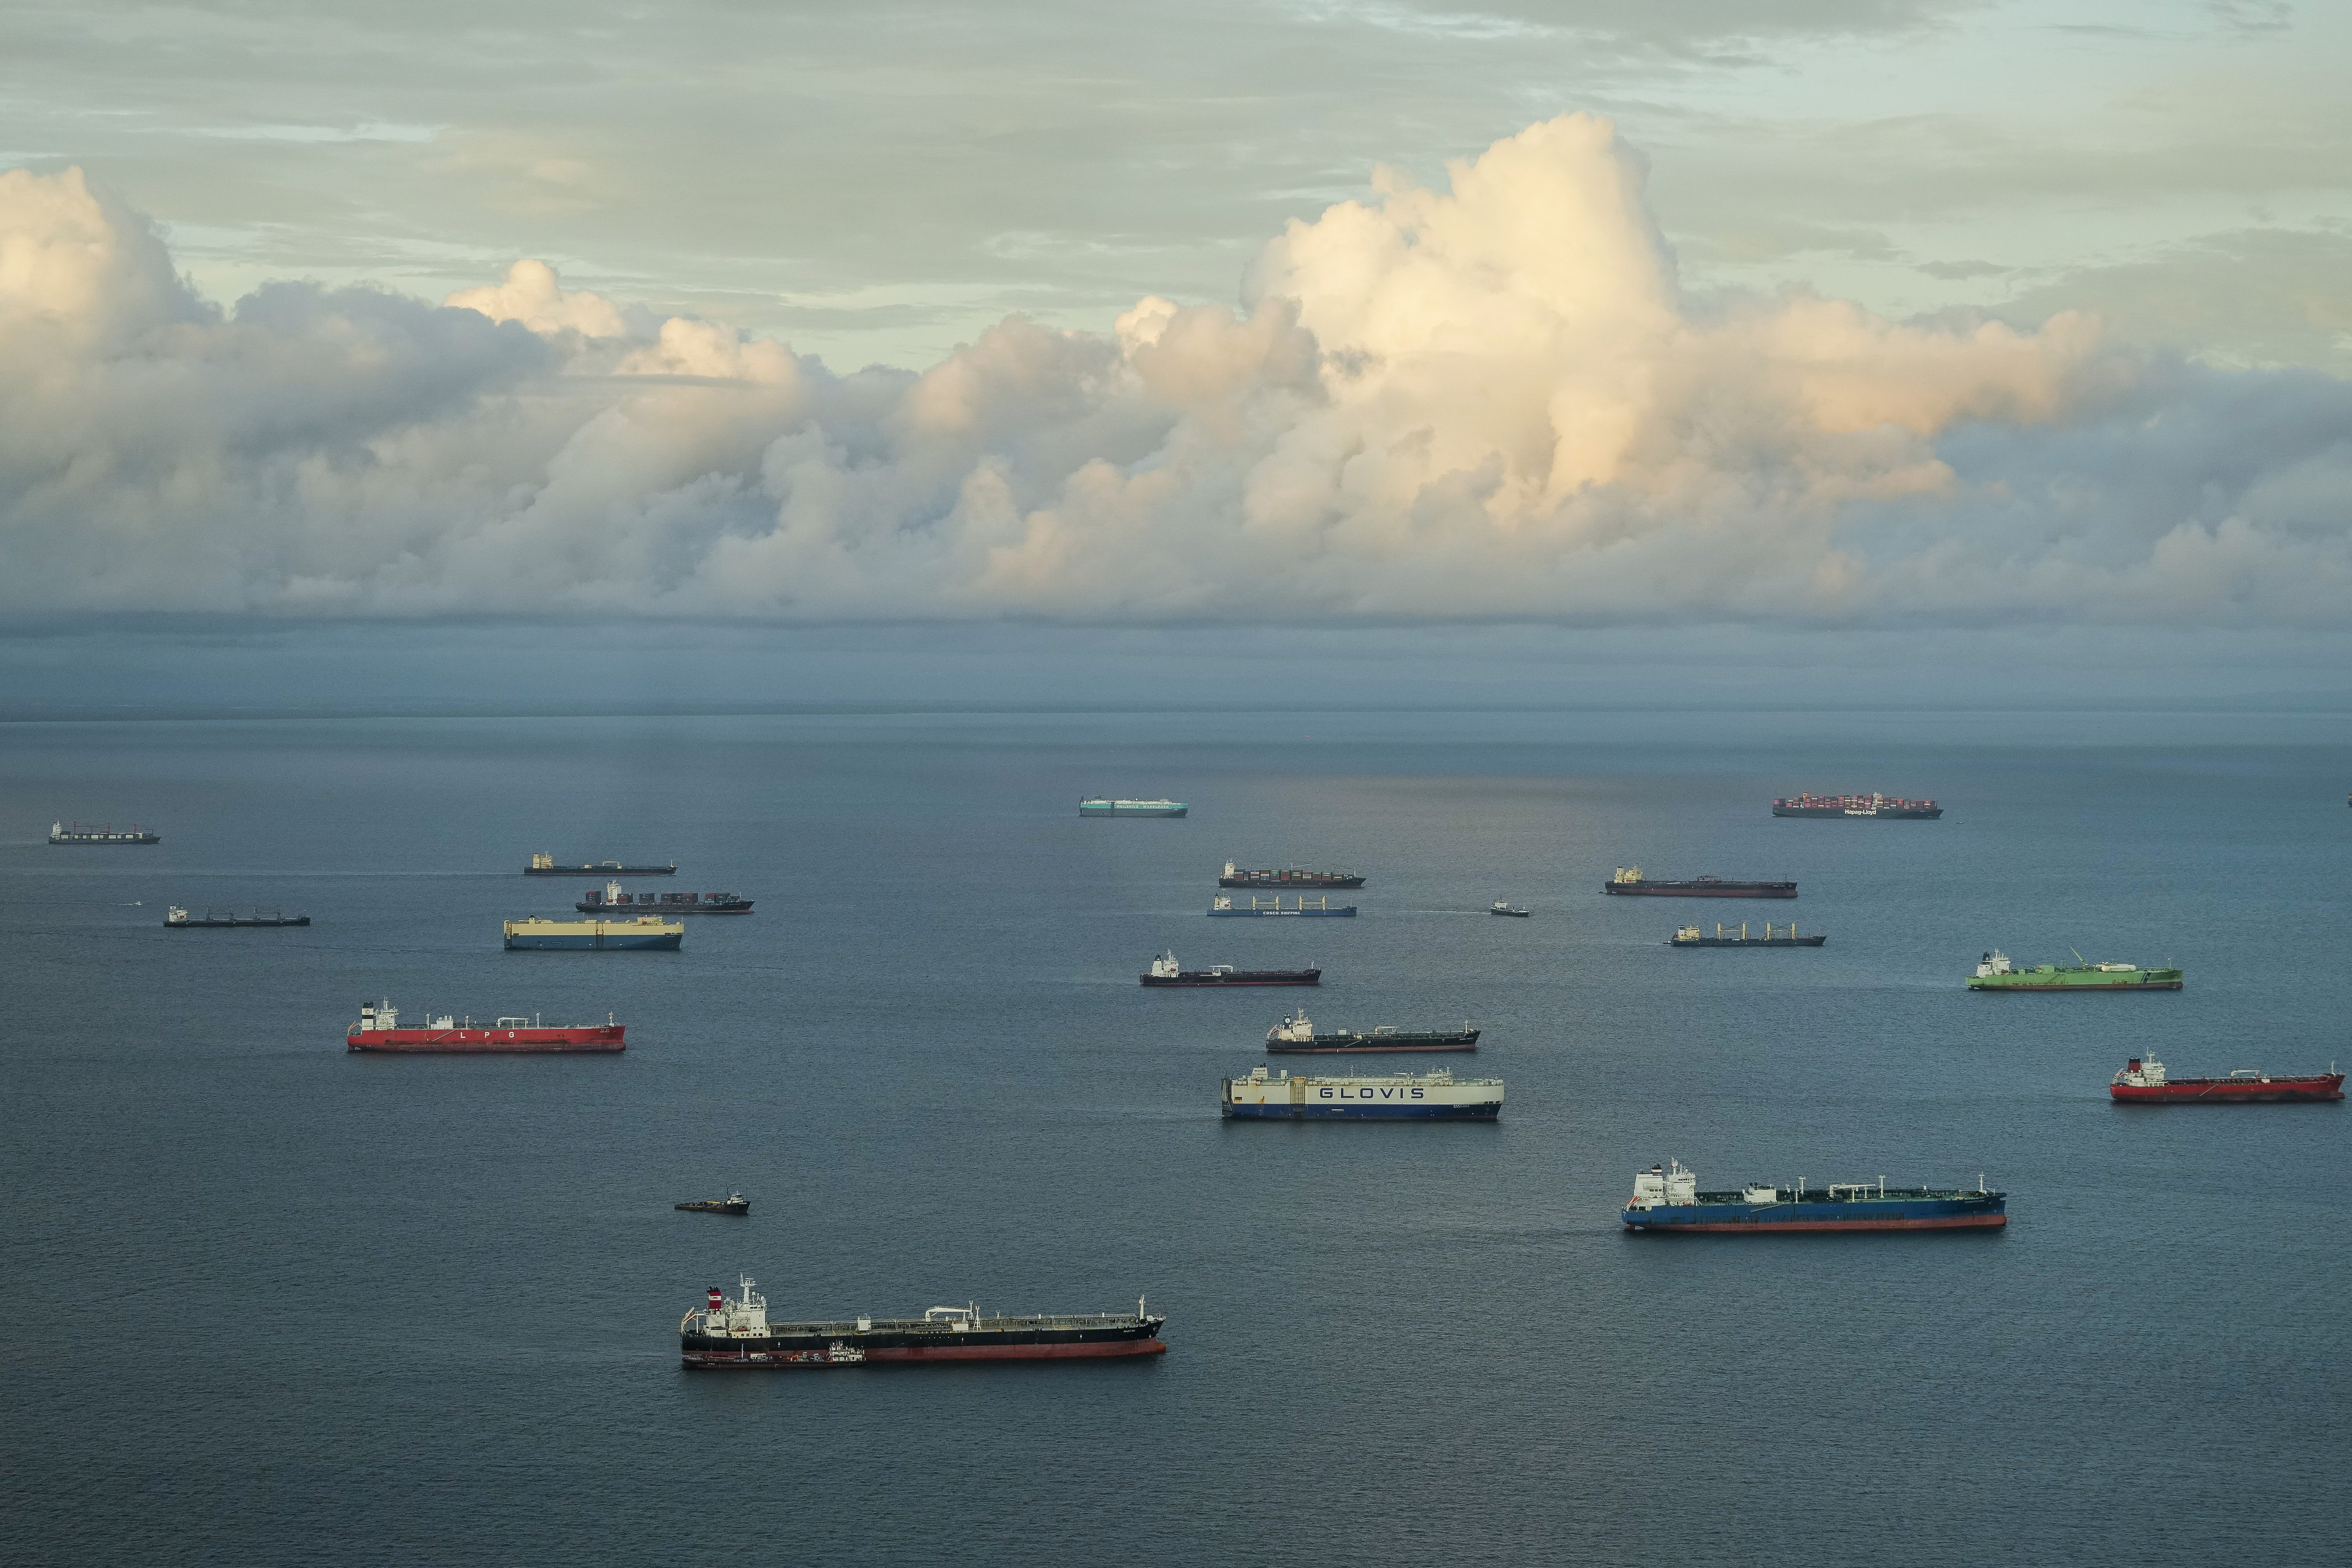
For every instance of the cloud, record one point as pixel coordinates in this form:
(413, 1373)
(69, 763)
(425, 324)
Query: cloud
(1489, 400)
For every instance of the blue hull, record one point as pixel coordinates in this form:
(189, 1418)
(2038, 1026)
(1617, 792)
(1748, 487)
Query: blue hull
(1955, 1212)
(595, 943)
(1487, 1112)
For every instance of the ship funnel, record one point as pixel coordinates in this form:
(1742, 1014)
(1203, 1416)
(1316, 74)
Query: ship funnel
(717, 1297)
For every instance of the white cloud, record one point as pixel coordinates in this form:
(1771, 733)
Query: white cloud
(1487, 400)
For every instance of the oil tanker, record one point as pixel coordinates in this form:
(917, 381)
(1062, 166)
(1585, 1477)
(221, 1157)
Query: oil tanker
(733, 1333)
(1996, 972)
(1288, 877)
(1438, 1096)
(2144, 1081)
(379, 1030)
(1887, 808)
(1628, 882)
(1164, 971)
(1666, 1199)
(1296, 1035)
(611, 900)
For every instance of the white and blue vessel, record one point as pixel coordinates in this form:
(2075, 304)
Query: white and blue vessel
(1438, 1096)
(1103, 805)
(645, 932)
(1667, 1198)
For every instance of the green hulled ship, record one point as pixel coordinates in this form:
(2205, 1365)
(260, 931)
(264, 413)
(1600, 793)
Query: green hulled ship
(1998, 973)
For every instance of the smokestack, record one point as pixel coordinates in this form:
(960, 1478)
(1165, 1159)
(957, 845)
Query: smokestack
(717, 1297)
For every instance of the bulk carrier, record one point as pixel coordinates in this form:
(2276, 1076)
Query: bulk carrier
(1224, 905)
(1628, 882)
(733, 1333)
(1405, 1097)
(1666, 1199)
(379, 1030)
(1289, 877)
(1884, 807)
(2144, 1081)
(1691, 936)
(1296, 1035)
(104, 833)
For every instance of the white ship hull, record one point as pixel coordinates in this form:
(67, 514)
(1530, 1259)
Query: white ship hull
(1405, 1097)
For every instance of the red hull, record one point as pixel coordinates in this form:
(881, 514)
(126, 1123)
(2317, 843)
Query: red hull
(946, 1352)
(488, 1042)
(1956, 1222)
(2230, 1091)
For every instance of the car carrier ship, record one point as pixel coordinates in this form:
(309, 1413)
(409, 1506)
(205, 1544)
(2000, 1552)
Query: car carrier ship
(1296, 1035)
(1628, 882)
(1996, 972)
(733, 1333)
(1223, 905)
(1288, 877)
(1888, 808)
(1439, 1096)
(611, 900)
(2144, 1081)
(101, 833)
(1165, 971)
(379, 1030)
(643, 931)
(545, 866)
(1666, 1199)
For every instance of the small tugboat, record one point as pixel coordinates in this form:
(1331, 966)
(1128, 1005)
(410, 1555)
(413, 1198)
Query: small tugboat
(1997, 973)
(1164, 971)
(1499, 907)
(1666, 1199)
(1628, 882)
(2143, 1082)
(178, 918)
(1224, 905)
(1288, 877)
(734, 1203)
(729, 1334)
(1689, 936)
(1296, 1035)
(545, 866)
(102, 833)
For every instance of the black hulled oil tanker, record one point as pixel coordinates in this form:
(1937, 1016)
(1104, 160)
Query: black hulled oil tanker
(1288, 877)
(1164, 971)
(733, 1333)
(1296, 1035)
(1628, 882)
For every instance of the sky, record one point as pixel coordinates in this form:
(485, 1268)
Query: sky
(1844, 317)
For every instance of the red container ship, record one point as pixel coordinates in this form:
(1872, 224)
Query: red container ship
(2144, 1081)
(378, 1030)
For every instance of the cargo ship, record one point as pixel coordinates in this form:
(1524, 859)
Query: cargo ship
(1224, 905)
(733, 1333)
(1628, 882)
(1099, 805)
(1997, 973)
(734, 1203)
(545, 866)
(104, 833)
(1289, 877)
(1296, 1035)
(379, 1030)
(611, 900)
(178, 918)
(537, 931)
(1405, 1097)
(1690, 936)
(1502, 906)
(2143, 1082)
(1666, 1199)
(1877, 806)
(1164, 971)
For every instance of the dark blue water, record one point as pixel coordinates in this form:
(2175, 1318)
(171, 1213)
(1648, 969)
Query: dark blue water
(266, 1302)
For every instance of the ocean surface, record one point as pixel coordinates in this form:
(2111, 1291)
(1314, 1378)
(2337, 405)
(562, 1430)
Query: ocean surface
(268, 1302)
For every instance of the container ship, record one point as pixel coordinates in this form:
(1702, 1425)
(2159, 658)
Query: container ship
(1223, 905)
(611, 900)
(1690, 936)
(1628, 882)
(1289, 877)
(379, 1030)
(643, 931)
(1997, 973)
(1666, 1199)
(1405, 1097)
(545, 866)
(2143, 1082)
(1877, 805)
(1099, 805)
(1164, 971)
(1296, 1035)
(104, 833)
(179, 919)
(733, 1333)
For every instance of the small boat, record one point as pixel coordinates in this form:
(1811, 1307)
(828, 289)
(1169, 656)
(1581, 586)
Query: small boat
(1499, 907)
(734, 1203)
(177, 917)
(2144, 1081)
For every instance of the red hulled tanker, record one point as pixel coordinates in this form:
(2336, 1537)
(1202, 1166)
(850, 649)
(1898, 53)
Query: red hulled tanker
(2144, 1081)
(378, 1030)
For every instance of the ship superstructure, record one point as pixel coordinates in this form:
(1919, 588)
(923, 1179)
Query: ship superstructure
(1666, 1199)
(1279, 1096)
(734, 1333)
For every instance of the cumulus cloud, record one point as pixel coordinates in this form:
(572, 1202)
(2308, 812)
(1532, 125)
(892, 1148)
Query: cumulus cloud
(1491, 400)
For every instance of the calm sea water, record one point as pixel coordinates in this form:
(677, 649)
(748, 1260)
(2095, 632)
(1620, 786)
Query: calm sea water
(266, 1302)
